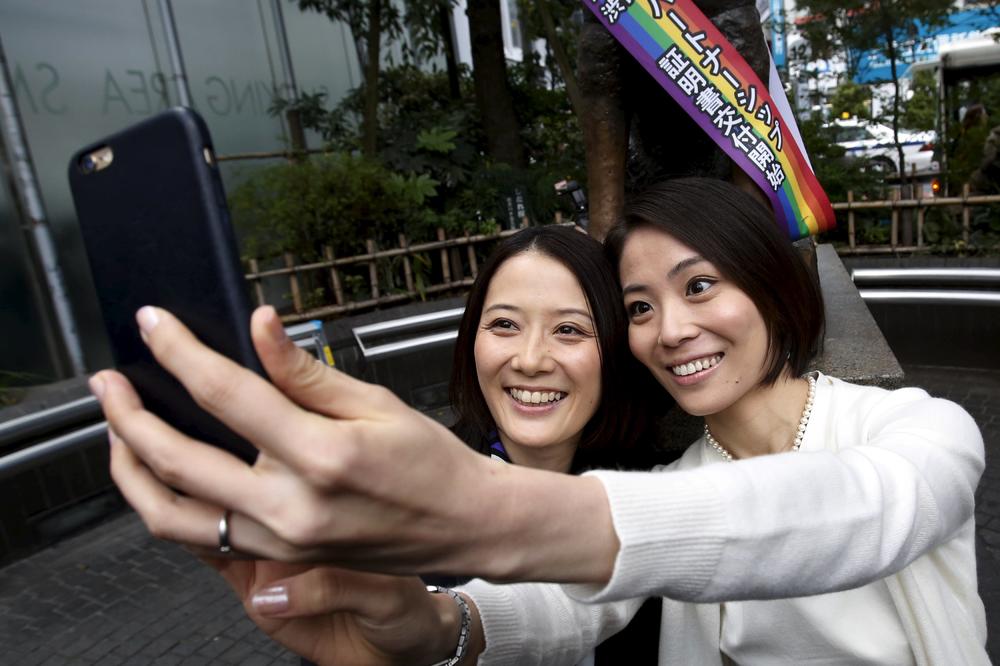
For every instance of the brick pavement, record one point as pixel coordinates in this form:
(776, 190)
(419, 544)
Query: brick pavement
(979, 392)
(114, 595)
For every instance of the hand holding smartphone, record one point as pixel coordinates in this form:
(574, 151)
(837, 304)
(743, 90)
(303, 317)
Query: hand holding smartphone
(156, 229)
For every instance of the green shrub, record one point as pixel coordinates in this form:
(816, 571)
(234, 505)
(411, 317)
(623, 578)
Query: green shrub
(336, 199)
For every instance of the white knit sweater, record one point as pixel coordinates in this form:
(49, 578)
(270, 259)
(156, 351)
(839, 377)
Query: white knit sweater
(883, 488)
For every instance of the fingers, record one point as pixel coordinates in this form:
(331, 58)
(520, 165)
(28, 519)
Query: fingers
(188, 520)
(150, 462)
(248, 404)
(244, 576)
(323, 590)
(178, 461)
(245, 402)
(166, 514)
(310, 383)
(396, 617)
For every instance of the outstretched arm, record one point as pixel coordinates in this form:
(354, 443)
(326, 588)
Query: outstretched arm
(883, 477)
(350, 476)
(347, 474)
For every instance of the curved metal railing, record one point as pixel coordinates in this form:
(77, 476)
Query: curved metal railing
(932, 286)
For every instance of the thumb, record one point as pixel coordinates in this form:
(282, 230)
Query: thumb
(311, 383)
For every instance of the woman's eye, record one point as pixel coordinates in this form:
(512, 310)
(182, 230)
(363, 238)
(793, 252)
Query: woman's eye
(699, 286)
(638, 308)
(568, 329)
(502, 324)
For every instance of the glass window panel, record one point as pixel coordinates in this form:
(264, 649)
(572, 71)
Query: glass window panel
(84, 70)
(24, 354)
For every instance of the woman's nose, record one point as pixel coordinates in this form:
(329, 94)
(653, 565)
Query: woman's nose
(533, 357)
(676, 327)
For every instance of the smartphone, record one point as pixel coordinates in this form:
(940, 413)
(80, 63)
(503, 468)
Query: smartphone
(156, 228)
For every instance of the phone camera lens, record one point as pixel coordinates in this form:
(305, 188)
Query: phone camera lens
(88, 164)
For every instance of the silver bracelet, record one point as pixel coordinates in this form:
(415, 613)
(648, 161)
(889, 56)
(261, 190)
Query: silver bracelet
(464, 631)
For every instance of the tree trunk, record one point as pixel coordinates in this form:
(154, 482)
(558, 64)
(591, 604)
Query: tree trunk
(887, 34)
(533, 65)
(565, 67)
(906, 221)
(493, 95)
(451, 62)
(369, 140)
(605, 124)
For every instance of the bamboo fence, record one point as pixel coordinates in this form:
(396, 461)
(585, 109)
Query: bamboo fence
(453, 262)
(899, 207)
(458, 273)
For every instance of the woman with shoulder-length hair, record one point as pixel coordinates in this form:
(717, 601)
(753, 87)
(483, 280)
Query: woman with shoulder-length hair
(542, 377)
(814, 521)
(513, 298)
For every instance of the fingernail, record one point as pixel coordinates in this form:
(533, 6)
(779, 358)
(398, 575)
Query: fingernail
(97, 386)
(148, 318)
(271, 600)
(276, 330)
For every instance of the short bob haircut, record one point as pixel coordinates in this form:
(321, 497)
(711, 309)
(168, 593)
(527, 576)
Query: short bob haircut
(739, 235)
(619, 420)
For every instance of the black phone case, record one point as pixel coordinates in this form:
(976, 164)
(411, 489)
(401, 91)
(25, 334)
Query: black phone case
(157, 232)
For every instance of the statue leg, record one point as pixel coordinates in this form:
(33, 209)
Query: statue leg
(665, 141)
(604, 120)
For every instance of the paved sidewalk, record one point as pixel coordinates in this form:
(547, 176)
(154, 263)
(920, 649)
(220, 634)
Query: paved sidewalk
(979, 392)
(114, 595)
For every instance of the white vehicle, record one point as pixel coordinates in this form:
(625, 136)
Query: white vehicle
(872, 143)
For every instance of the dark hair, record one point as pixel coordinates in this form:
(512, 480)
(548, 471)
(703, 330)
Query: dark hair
(619, 420)
(739, 235)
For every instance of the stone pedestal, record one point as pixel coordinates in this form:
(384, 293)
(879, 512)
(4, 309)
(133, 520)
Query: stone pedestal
(854, 348)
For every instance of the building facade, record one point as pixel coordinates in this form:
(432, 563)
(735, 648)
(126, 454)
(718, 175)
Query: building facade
(81, 70)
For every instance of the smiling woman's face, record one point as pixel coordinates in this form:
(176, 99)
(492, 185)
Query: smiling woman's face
(699, 334)
(537, 360)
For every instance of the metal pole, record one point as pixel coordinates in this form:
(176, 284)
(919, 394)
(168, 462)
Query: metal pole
(174, 50)
(283, 51)
(295, 130)
(25, 183)
(942, 119)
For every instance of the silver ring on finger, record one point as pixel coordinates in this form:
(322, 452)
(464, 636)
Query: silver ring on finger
(224, 546)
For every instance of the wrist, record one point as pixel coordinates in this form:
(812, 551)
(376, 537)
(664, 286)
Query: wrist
(455, 625)
(459, 638)
(549, 527)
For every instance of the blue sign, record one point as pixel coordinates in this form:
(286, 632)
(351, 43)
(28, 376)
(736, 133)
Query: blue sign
(779, 50)
(873, 66)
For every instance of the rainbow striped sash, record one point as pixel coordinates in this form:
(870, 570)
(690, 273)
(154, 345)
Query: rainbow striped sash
(751, 122)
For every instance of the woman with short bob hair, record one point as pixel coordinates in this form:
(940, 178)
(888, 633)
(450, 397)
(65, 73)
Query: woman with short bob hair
(814, 521)
(747, 246)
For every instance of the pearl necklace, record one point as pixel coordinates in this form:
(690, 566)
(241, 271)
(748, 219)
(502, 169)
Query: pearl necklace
(799, 434)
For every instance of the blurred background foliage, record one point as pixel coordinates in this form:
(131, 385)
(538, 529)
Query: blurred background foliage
(415, 148)
(431, 168)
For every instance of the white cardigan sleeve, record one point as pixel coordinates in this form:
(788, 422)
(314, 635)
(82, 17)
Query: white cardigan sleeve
(882, 478)
(538, 623)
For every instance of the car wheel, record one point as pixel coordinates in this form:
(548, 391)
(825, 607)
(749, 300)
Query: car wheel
(881, 164)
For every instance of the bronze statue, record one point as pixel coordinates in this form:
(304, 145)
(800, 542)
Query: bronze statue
(634, 132)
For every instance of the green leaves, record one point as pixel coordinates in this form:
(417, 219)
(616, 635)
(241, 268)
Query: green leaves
(437, 140)
(338, 199)
(413, 189)
(852, 99)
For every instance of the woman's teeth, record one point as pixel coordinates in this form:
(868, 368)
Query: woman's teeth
(695, 366)
(536, 397)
